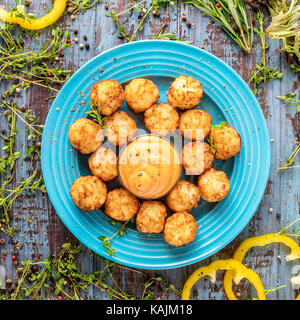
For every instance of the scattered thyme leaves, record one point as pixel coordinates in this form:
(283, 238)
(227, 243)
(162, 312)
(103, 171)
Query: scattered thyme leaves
(106, 241)
(154, 7)
(291, 99)
(28, 67)
(289, 163)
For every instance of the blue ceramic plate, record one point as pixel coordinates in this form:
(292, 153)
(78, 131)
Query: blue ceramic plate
(226, 97)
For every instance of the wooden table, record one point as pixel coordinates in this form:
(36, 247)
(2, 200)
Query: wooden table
(47, 232)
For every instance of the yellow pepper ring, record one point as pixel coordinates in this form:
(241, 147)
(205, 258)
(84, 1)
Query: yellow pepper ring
(36, 24)
(259, 241)
(240, 272)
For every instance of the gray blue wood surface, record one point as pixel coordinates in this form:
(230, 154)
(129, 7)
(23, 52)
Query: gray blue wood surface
(46, 232)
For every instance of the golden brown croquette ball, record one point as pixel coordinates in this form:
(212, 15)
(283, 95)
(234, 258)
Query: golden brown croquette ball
(120, 128)
(185, 93)
(195, 124)
(197, 157)
(180, 229)
(88, 193)
(183, 197)
(103, 164)
(141, 94)
(226, 141)
(161, 119)
(107, 95)
(85, 135)
(213, 185)
(121, 205)
(151, 217)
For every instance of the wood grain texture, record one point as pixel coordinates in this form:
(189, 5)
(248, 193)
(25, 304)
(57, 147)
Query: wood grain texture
(46, 233)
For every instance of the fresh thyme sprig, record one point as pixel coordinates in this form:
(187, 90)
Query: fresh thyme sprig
(106, 241)
(263, 73)
(95, 114)
(210, 138)
(291, 99)
(233, 18)
(289, 163)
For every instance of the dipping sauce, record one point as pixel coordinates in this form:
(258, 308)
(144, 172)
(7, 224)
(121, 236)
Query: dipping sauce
(149, 167)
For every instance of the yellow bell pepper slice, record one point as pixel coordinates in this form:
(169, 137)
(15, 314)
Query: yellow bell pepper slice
(240, 272)
(259, 241)
(59, 7)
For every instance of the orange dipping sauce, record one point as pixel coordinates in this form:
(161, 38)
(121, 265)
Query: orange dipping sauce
(149, 167)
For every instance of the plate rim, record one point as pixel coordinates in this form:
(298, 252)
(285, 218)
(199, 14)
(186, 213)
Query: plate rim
(240, 227)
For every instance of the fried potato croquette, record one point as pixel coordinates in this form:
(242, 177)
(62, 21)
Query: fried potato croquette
(161, 119)
(197, 157)
(121, 205)
(141, 94)
(120, 128)
(108, 95)
(180, 229)
(103, 164)
(226, 141)
(195, 124)
(151, 217)
(85, 135)
(88, 193)
(185, 93)
(183, 197)
(213, 185)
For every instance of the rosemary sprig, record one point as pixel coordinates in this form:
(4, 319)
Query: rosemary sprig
(233, 18)
(170, 36)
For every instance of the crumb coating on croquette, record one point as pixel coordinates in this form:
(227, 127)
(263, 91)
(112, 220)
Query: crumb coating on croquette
(85, 135)
(226, 141)
(185, 92)
(183, 197)
(119, 128)
(197, 157)
(213, 185)
(88, 193)
(195, 124)
(121, 205)
(103, 164)
(108, 95)
(161, 119)
(180, 229)
(151, 217)
(141, 94)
